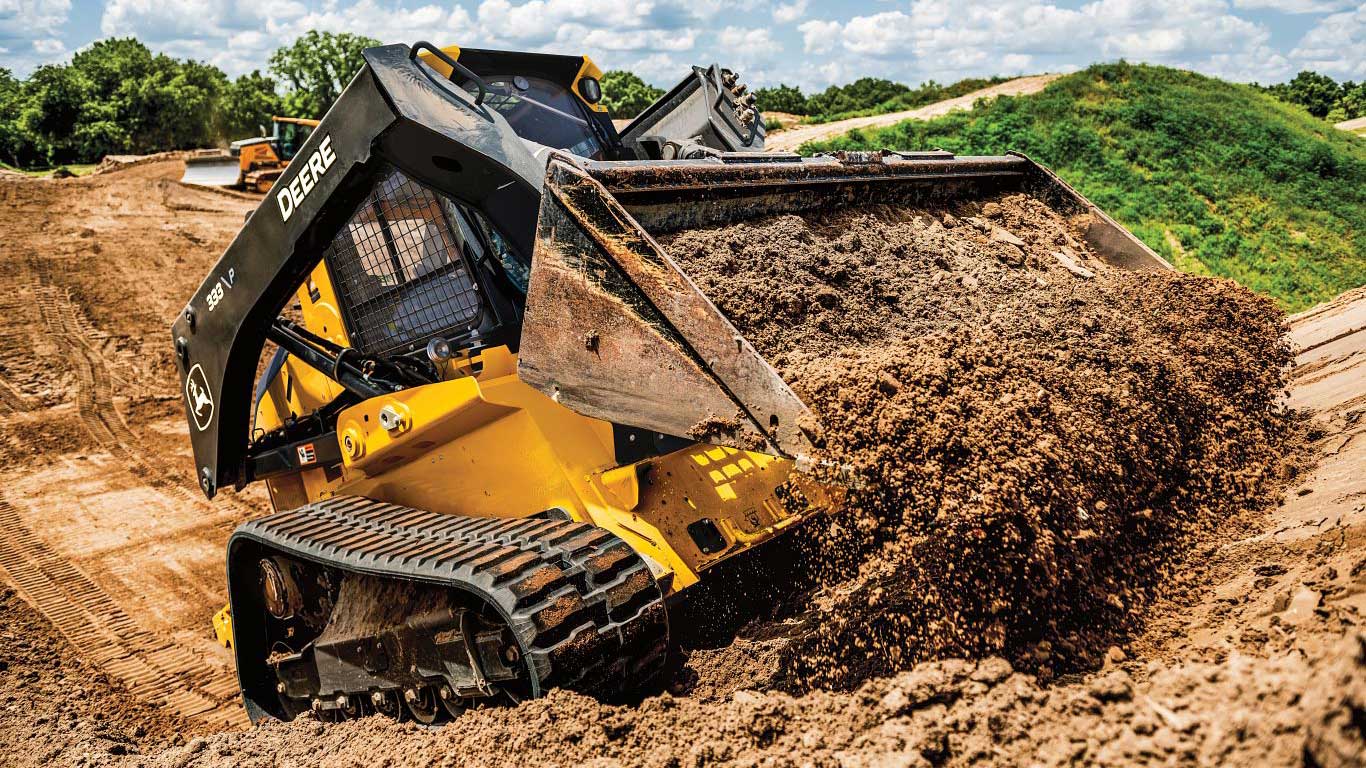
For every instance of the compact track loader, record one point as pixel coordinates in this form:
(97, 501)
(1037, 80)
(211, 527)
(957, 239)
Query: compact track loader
(253, 164)
(481, 424)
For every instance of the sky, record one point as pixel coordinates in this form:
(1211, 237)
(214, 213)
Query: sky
(809, 43)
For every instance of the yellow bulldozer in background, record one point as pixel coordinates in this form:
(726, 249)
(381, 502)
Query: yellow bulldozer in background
(251, 164)
(480, 419)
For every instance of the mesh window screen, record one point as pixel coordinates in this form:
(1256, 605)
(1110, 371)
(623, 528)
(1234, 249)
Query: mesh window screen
(400, 269)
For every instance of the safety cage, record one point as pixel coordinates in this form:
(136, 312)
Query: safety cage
(405, 267)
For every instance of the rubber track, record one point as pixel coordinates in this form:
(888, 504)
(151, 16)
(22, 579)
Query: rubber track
(583, 604)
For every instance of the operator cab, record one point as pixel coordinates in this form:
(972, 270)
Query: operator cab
(290, 134)
(548, 99)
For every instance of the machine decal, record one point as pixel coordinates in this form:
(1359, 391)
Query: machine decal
(219, 288)
(310, 172)
(200, 398)
(307, 454)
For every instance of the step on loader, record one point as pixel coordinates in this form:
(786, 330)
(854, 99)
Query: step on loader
(479, 379)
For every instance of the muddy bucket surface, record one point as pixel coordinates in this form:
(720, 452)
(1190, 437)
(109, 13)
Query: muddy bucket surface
(617, 329)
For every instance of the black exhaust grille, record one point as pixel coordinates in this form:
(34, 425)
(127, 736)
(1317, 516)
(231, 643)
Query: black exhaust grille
(399, 269)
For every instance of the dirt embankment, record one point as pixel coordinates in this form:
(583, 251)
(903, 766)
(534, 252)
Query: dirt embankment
(1060, 548)
(792, 138)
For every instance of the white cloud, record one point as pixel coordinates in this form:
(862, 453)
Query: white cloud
(239, 35)
(786, 13)
(948, 39)
(768, 42)
(640, 40)
(1293, 6)
(753, 53)
(1335, 46)
(27, 30)
(819, 36)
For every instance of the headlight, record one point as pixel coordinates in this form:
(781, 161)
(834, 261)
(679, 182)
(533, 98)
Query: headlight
(590, 89)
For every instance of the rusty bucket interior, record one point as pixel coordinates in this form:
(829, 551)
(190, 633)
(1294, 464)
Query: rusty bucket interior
(615, 329)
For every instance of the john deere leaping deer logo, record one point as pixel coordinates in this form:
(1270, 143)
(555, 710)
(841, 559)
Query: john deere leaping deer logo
(199, 397)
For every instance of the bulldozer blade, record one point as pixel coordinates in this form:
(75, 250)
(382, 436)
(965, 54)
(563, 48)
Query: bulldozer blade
(615, 329)
(212, 171)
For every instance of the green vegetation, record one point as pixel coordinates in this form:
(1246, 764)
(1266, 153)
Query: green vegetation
(1219, 178)
(117, 97)
(625, 95)
(317, 68)
(865, 96)
(1323, 96)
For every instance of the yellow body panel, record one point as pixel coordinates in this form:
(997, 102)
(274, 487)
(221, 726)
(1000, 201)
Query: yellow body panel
(589, 69)
(488, 445)
(222, 626)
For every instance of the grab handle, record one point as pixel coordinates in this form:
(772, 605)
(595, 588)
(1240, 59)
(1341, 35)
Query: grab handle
(455, 67)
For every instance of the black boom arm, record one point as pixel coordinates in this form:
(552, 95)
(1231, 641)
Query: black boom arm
(396, 110)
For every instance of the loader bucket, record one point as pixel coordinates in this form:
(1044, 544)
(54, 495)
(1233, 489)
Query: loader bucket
(616, 330)
(212, 170)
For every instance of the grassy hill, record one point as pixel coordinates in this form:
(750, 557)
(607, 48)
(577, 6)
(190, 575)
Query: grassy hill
(1217, 177)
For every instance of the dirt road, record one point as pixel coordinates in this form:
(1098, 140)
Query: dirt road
(789, 140)
(1250, 657)
(101, 525)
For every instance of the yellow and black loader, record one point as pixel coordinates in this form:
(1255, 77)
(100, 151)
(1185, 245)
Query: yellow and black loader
(477, 421)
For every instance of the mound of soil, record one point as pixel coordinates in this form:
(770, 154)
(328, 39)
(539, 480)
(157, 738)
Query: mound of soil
(998, 394)
(1030, 434)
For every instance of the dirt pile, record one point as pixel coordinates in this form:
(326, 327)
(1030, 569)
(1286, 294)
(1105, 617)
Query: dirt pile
(1031, 434)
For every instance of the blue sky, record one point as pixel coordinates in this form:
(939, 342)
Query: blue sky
(811, 43)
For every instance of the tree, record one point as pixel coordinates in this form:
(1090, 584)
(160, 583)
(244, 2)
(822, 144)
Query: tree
(317, 68)
(247, 104)
(784, 98)
(1316, 93)
(1353, 102)
(863, 93)
(625, 95)
(17, 147)
(115, 64)
(55, 98)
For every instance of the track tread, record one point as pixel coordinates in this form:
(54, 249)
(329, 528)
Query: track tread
(583, 604)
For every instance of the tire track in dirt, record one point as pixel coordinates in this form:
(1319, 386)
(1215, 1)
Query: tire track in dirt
(153, 668)
(95, 396)
(76, 533)
(13, 346)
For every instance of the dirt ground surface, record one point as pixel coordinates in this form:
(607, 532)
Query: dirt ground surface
(1251, 652)
(788, 140)
(103, 527)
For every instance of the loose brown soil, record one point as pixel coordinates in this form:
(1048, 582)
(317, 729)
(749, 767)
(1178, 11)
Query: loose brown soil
(1030, 445)
(988, 399)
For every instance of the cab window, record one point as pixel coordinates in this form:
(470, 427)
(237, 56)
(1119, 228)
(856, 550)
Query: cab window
(544, 112)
